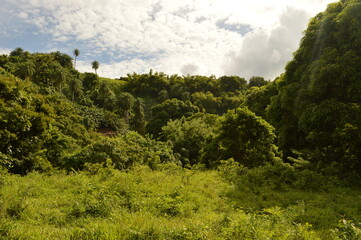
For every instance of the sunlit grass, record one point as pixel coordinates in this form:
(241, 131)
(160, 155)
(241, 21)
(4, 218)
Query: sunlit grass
(168, 203)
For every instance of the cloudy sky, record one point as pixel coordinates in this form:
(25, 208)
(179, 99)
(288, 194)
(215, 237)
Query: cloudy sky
(219, 37)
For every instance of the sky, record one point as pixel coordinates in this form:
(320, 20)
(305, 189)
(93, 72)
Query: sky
(197, 37)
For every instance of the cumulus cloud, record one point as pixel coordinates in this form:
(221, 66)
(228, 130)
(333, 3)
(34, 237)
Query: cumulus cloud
(265, 54)
(5, 51)
(186, 37)
(191, 69)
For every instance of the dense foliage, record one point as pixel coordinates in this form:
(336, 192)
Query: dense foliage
(189, 136)
(156, 156)
(176, 203)
(317, 110)
(245, 137)
(35, 129)
(67, 111)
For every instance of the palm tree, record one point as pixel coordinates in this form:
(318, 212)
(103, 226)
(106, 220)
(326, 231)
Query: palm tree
(106, 97)
(63, 59)
(25, 70)
(75, 87)
(95, 66)
(138, 122)
(17, 52)
(126, 100)
(57, 75)
(76, 54)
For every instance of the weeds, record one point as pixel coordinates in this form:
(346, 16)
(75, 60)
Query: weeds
(175, 203)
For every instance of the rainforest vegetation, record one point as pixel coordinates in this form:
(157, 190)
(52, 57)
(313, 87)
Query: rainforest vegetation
(156, 156)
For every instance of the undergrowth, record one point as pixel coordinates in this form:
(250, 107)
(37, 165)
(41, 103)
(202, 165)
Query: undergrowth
(174, 203)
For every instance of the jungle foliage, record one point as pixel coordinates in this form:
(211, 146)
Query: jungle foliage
(156, 156)
(317, 109)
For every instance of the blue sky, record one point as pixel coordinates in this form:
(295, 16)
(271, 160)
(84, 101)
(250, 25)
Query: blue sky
(208, 37)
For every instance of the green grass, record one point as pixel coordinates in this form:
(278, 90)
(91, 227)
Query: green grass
(168, 203)
(115, 84)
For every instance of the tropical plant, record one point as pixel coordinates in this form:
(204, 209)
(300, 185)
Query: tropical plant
(189, 136)
(76, 53)
(245, 137)
(317, 109)
(25, 70)
(63, 59)
(75, 87)
(95, 66)
(17, 52)
(169, 110)
(126, 101)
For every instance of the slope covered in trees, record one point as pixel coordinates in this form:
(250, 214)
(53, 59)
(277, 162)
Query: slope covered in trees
(220, 158)
(80, 106)
(317, 110)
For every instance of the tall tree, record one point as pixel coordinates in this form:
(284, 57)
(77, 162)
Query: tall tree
(245, 137)
(189, 136)
(138, 122)
(169, 110)
(25, 70)
(95, 66)
(76, 53)
(126, 101)
(318, 108)
(90, 81)
(232, 83)
(57, 75)
(105, 97)
(75, 87)
(63, 59)
(17, 52)
(257, 81)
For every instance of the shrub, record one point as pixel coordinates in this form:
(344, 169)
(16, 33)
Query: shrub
(124, 151)
(245, 137)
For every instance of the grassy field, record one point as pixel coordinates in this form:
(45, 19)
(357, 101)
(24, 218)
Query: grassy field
(169, 203)
(115, 84)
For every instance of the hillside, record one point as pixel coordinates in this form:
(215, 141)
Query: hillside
(156, 156)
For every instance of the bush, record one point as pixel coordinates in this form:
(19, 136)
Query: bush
(347, 230)
(245, 137)
(124, 151)
(188, 136)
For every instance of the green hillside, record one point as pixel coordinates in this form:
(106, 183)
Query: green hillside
(157, 156)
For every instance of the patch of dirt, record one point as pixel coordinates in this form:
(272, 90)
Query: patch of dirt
(108, 132)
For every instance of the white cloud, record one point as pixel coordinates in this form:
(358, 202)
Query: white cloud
(265, 54)
(5, 51)
(23, 15)
(190, 68)
(174, 36)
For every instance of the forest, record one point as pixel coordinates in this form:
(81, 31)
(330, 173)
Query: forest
(157, 156)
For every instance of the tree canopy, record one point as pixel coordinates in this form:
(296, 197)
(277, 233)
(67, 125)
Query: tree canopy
(318, 102)
(52, 110)
(95, 66)
(245, 137)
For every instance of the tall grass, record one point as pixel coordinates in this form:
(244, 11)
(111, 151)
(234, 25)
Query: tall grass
(168, 203)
